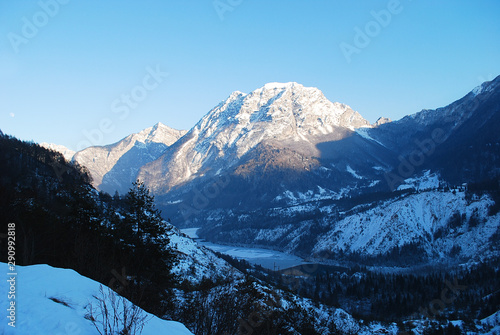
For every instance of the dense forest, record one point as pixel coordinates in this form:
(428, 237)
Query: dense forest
(61, 220)
(431, 294)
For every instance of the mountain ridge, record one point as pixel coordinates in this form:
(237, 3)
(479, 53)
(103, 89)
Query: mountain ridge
(111, 163)
(282, 185)
(284, 145)
(279, 112)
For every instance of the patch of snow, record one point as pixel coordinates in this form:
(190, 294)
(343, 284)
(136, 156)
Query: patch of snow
(191, 232)
(415, 218)
(310, 196)
(493, 322)
(196, 261)
(363, 132)
(477, 90)
(38, 314)
(351, 171)
(173, 202)
(425, 182)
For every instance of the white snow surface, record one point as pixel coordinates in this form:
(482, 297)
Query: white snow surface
(351, 171)
(197, 262)
(477, 90)
(37, 314)
(364, 132)
(493, 322)
(427, 181)
(415, 218)
(484, 87)
(297, 199)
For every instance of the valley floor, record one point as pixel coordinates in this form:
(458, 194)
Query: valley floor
(267, 258)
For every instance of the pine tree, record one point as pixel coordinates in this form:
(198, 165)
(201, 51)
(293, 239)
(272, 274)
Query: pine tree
(147, 233)
(143, 216)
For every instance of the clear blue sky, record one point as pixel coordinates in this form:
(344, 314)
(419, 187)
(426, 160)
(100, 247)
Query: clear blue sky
(71, 73)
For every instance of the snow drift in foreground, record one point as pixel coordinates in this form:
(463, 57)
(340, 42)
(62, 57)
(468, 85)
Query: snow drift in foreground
(37, 289)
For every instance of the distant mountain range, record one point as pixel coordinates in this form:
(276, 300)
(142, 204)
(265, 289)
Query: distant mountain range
(389, 217)
(284, 166)
(114, 167)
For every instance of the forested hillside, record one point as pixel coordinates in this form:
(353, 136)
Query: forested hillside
(61, 220)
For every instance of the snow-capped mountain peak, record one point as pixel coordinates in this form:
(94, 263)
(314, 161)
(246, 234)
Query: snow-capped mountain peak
(280, 113)
(487, 86)
(276, 85)
(159, 133)
(114, 167)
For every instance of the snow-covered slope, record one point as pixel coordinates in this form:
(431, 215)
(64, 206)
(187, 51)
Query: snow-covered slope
(114, 167)
(424, 224)
(197, 262)
(436, 221)
(287, 115)
(67, 153)
(55, 301)
(493, 322)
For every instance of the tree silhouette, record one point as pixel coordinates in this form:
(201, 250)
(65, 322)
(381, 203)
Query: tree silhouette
(143, 216)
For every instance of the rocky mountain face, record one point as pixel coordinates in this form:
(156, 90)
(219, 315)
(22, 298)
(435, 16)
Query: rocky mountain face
(326, 181)
(114, 167)
(284, 166)
(263, 145)
(277, 115)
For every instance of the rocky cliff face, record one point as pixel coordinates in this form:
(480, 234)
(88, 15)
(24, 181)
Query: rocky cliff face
(281, 115)
(114, 167)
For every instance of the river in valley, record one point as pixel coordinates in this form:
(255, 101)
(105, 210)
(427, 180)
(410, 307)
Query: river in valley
(267, 258)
